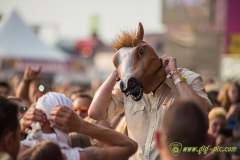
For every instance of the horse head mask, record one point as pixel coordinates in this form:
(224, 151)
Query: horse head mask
(136, 62)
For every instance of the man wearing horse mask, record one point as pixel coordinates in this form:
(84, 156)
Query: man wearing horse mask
(146, 87)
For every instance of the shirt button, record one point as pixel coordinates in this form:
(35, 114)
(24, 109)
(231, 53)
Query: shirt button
(133, 110)
(148, 141)
(146, 158)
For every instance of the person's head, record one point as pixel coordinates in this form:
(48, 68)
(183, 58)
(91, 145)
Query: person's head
(217, 120)
(82, 103)
(45, 150)
(212, 92)
(184, 122)
(74, 94)
(230, 94)
(79, 140)
(18, 101)
(136, 62)
(36, 87)
(9, 127)
(46, 103)
(4, 89)
(234, 93)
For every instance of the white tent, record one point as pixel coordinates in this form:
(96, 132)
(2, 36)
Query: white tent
(18, 41)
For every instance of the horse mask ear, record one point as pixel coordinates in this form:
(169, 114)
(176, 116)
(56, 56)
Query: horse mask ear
(140, 32)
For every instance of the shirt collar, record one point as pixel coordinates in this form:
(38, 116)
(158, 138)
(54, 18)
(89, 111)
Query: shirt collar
(170, 84)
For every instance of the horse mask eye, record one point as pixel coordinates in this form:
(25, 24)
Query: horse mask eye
(141, 51)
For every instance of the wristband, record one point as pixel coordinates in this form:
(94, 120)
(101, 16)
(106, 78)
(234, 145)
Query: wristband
(172, 73)
(181, 79)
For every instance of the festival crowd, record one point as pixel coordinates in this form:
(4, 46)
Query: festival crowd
(101, 123)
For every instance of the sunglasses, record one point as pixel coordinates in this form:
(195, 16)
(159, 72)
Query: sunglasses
(81, 108)
(23, 109)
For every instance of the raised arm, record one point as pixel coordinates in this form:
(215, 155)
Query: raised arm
(119, 146)
(184, 89)
(23, 88)
(102, 98)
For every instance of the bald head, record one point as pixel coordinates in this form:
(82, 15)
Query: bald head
(185, 122)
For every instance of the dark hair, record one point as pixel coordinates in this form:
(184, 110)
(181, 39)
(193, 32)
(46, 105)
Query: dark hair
(4, 84)
(186, 123)
(83, 94)
(45, 150)
(8, 117)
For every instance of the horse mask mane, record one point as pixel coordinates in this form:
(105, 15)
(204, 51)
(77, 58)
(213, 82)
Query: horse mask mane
(132, 61)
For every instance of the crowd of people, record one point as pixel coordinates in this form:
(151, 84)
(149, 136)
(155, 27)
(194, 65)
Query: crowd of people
(77, 123)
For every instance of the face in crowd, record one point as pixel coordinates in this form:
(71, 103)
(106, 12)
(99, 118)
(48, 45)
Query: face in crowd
(81, 106)
(233, 93)
(4, 89)
(215, 125)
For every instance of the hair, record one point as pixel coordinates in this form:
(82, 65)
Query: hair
(78, 140)
(223, 95)
(8, 117)
(45, 150)
(4, 84)
(125, 39)
(13, 98)
(186, 123)
(217, 112)
(84, 94)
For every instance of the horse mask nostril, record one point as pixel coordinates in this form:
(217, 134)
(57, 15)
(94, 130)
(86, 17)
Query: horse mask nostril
(122, 86)
(132, 82)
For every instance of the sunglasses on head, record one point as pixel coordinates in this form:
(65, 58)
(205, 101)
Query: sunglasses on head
(81, 108)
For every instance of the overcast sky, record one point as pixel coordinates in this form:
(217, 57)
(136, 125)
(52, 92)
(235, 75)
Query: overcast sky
(71, 18)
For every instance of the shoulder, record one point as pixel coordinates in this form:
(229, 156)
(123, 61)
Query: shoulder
(189, 75)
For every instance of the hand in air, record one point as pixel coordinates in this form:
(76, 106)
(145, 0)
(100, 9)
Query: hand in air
(169, 63)
(31, 74)
(65, 119)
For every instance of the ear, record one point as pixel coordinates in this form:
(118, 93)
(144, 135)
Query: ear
(140, 32)
(8, 142)
(157, 139)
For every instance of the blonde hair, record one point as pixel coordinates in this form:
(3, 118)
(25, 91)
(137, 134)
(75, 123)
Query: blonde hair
(78, 140)
(217, 112)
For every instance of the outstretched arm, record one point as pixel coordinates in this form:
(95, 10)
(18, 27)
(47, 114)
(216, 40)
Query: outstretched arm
(102, 98)
(119, 146)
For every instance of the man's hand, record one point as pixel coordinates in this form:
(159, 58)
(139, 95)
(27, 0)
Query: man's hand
(32, 115)
(30, 74)
(65, 119)
(169, 63)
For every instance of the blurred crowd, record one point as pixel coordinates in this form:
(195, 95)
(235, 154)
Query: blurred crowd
(24, 97)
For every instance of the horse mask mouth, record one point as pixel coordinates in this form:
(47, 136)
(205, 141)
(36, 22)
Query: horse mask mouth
(136, 93)
(137, 96)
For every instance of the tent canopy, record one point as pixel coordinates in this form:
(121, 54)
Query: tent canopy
(18, 41)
